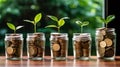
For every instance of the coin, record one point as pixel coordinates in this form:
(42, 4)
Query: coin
(56, 47)
(103, 32)
(99, 37)
(10, 50)
(108, 42)
(102, 44)
(85, 52)
(32, 50)
(101, 51)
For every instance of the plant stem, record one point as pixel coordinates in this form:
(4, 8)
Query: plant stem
(106, 25)
(58, 29)
(81, 29)
(34, 28)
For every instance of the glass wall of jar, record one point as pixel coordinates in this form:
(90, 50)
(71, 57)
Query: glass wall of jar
(14, 46)
(59, 46)
(82, 46)
(106, 43)
(35, 46)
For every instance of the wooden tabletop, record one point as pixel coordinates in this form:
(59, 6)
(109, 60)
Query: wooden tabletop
(70, 62)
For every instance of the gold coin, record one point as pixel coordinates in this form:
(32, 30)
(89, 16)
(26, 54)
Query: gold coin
(10, 50)
(32, 50)
(102, 44)
(56, 47)
(99, 37)
(103, 32)
(108, 42)
(101, 51)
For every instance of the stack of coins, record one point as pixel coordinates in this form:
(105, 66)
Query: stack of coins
(13, 46)
(35, 45)
(105, 42)
(58, 46)
(82, 46)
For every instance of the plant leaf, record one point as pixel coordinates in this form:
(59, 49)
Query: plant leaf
(53, 18)
(78, 22)
(18, 27)
(51, 26)
(29, 21)
(11, 26)
(37, 17)
(65, 18)
(101, 20)
(110, 18)
(85, 23)
(61, 22)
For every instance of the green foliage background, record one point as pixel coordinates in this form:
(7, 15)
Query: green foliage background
(15, 11)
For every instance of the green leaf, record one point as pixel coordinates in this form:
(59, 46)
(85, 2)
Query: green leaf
(85, 23)
(51, 26)
(37, 18)
(78, 22)
(53, 18)
(110, 18)
(18, 27)
(29, 21)
(101, 20)
(61, 22)
(11, 26)
(65, 18)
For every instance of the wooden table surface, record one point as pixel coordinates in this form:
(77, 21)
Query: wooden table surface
(47, 62)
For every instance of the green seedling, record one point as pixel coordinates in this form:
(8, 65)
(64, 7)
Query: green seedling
(107, 20)
(37, 18)
(13, 27)
(60, 22)
(82, 24)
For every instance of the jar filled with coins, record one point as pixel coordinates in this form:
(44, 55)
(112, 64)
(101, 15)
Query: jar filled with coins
(59, 46)
(35, 46)
(106, 43)
(82, 46)
(14, 46)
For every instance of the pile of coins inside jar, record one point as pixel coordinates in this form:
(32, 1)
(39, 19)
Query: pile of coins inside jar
(35, 45)
(58, 46)
(105, 42)
(13, 46)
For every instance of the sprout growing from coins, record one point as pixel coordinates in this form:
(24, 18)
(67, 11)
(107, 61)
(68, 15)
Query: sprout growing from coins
(13, 27)
(107, 20)
(82, 24)
(37, 18)
(60, 22)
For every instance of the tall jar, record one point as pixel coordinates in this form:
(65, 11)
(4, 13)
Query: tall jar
(59, 46)
(82, 46)
(106, 43)
(14, 46)
(35, 46)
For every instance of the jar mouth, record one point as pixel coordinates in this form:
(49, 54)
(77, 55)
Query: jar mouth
(104, 28)
(59, 34)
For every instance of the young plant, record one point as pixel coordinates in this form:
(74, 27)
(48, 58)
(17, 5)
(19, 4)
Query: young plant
(12, 27)
(82, 24)
(107, 20)
(60, 22)
(37, 18)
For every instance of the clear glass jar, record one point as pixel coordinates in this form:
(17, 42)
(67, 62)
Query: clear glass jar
(82, 46)
(14, 46)
(106, 43)
(35, 46)
(59, 46)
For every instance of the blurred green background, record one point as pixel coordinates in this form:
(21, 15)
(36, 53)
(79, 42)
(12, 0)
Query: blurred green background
(15, 11)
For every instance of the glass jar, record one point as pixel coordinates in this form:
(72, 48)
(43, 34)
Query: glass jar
(59, 46)
(106, 43)
(35, 46)
(13, 46)
(82, 46)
